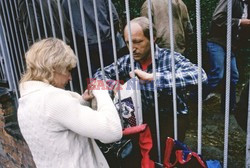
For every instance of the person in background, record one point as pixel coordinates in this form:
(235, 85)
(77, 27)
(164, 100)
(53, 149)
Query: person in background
(217, 43)
(241, 114)
(182, 26)
(104, 23)
(58, 125)
(186, 75)
(28, 17)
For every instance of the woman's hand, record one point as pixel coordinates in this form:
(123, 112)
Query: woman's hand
(87, 95)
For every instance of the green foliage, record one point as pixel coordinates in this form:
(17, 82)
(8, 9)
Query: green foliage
(207, 8)
(134, 9)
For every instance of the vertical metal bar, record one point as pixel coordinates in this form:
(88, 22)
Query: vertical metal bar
(26, 35)
(2, 53)
(61, 20)
(155, 85)
(20, 29)
(85, 36)
(63, 32)
(199, 51)
(248, 131)
(37, 25)
(114, 50)
(25, 32)
(17, 39)
(8, 36)
(170, 14)
(99, 39)
(31, 28)
(3, 72)
(2, 75)
(131, 52)
(75, 45)
(228, 74)
(44, 22)
(51, 19)
(6, 63)
(11, 35)
(8, 66)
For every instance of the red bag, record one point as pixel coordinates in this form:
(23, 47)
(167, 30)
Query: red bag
(145, 142)
(178, 155)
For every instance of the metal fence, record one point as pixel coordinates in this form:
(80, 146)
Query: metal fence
(16, 35)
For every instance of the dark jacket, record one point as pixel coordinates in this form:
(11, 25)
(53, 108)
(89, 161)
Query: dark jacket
(182, 27)
(88, 9)
(218, 27)
(24, 17)
(241, 114)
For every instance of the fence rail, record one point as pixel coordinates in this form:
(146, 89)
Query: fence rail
(46, 19)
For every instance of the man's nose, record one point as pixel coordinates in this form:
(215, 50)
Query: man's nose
(134, 49)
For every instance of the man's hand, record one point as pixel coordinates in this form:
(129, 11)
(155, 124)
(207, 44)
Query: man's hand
(142, 75)
(245, 22)
(93, 85)
(117, 87)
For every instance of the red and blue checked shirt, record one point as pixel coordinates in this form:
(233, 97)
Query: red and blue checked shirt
(186, 75)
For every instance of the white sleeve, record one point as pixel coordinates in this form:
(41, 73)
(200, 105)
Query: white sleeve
(103, 124)
(79, 97)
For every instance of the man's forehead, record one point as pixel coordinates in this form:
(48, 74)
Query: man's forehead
(134, 27)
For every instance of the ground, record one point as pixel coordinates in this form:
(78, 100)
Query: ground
(213, 135)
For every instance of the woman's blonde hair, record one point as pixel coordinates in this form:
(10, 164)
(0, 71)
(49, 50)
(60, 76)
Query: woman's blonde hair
(46, 57)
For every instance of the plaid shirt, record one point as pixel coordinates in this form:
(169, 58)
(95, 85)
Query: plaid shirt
(186, 75)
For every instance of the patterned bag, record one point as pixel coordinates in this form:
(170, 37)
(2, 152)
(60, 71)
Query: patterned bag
(129, 107)
(130, 117)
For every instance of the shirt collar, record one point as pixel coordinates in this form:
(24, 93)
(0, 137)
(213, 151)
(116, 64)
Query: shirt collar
(29, 87)
(156, 51)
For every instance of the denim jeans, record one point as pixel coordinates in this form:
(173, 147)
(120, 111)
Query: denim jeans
(216, 75)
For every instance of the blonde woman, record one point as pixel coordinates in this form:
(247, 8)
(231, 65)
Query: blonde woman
(58, 125)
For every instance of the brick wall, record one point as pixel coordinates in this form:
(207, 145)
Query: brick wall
(14, 152)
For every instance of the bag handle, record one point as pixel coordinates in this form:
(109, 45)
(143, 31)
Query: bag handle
(180, 159)
(170, 142)
(134, 130)
(146, 144)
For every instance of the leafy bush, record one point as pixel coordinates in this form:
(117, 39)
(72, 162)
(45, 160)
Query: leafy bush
(207, 8)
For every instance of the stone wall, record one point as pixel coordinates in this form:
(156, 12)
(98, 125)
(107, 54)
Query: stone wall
(14, 152)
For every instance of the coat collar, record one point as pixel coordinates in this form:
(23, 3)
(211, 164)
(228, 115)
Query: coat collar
(29, 87)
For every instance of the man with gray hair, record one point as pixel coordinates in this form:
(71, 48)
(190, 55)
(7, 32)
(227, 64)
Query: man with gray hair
(186, 75)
